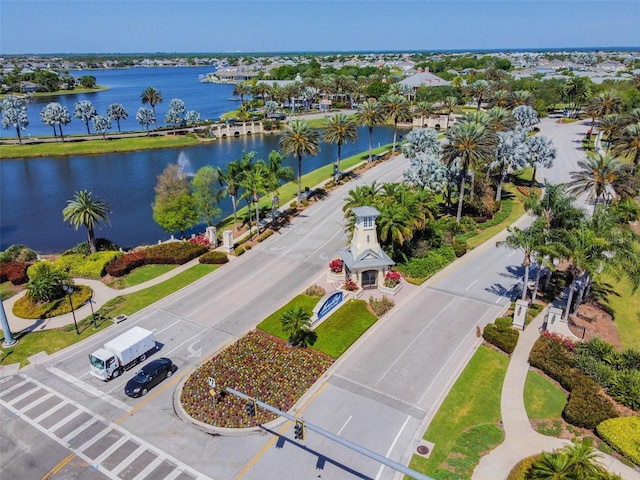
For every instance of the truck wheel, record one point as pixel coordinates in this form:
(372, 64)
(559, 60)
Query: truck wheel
(144, 392)
(116, 373)
(143, 357)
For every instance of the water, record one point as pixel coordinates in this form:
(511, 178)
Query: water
(34, 191)
(126, 87)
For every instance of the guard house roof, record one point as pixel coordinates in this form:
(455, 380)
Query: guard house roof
(365, 212)
(368, 260)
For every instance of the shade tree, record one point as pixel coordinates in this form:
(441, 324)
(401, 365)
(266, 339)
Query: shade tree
(85, 112)
(145, 117)
(173, 116)
(117, 112)
(14, 114)
(54, 114)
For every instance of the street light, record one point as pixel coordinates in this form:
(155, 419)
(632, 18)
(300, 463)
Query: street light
(69, 290)
(9, 341)
(93, 315)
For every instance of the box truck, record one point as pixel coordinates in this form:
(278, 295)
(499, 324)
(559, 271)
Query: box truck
(121, 353)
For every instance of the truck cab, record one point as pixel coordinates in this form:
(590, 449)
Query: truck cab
(104, 364)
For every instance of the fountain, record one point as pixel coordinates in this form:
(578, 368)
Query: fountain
(185, 165)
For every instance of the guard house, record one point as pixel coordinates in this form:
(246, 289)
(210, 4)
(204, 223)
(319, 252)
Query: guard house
(364, 261)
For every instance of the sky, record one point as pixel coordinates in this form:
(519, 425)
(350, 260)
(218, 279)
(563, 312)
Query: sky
(222, 26)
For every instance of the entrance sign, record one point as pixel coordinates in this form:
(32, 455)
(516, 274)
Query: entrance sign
(332, 302)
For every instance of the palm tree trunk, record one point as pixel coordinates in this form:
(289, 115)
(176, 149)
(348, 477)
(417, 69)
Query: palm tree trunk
(534, 294)
(338, 162)
(92, 240)
(61, 135)
(87, 124)
(499, 189)
(299, 175)
(459, 214)
(525, 282)
(235, 217)
(533, 176)
(395, 132)
(572, 288)
(257, 214)
(370, 143)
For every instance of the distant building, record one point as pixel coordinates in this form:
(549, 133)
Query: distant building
(424, 79)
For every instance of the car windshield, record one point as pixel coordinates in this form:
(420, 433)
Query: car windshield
(96, 362)
(141, 376)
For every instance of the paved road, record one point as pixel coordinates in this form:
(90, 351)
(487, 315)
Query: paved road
(381, 395)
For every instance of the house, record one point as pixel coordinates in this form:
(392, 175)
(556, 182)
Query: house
(424, 78)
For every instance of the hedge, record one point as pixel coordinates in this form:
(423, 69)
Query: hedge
(14, 272)
(623, 435)
(429, 264)
(587, 407)
(86, 266)
(174, 253)
(214, 257)
(522, 468)
(502, 336)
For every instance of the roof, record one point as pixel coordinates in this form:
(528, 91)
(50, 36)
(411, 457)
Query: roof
(424, 79)
(365, 211)
(369, 259)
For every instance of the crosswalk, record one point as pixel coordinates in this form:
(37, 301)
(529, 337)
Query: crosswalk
(104, 445)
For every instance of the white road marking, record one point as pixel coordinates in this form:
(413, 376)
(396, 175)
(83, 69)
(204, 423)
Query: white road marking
(345, 424)
(393, 444)
(470, 285)
(193, 353)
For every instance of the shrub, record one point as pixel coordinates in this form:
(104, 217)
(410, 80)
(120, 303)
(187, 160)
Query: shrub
(587, 407)
(622, 435)
(201, 240)
(45, 282)
(505, 338)
(625, 388)
(336, 265)
(14, 272)
(554, 358)
(18, 253)
(522, 468)
(391, 279)
(124, 264)
(266, 234)
(239, 251)
(174, 253)
(459, 247)
(429, 264)
(102, 245)
(86, 266)
(315, 291)
(350, 286)
(26, 308)
(504, 322)
(382, 306)
(214, 257)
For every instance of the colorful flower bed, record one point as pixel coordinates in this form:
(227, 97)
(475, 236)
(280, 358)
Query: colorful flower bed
(259, 366)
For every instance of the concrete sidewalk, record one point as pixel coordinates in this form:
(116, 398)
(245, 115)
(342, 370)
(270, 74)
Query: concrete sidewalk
(520, 439)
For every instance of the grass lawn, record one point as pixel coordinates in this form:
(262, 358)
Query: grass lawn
(542, 398)
(336, 334)
(98, 146)
(141, 275)
(462, 429)
(626, 308)
(53, 340)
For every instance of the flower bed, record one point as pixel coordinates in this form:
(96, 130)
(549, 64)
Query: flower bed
(259, 366)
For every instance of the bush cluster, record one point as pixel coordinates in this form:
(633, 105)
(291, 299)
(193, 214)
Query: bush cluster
(174, 253)
(18, 253)
(315, 291)
(239, 251)
(102, 245)
(266, 234)
(214, 257)
(432, 262)
(522, 468)
(14, 272)
(86, 266)
(382, 306)
(501, 334)
(587, 407)
(622, 435)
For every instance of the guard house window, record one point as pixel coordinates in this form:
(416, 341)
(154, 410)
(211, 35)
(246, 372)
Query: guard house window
(367, 222)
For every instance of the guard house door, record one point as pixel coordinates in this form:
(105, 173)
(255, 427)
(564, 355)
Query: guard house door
(369, 278)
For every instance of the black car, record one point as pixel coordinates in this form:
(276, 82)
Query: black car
(149, 376)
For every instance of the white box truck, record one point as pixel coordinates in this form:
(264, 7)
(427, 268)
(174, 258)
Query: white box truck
(121, 353)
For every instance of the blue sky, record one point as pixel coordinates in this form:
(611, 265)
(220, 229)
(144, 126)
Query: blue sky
(122, 26)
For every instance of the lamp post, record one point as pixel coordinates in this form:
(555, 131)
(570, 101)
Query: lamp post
(93, 315)
(69, 290)
(9, 341)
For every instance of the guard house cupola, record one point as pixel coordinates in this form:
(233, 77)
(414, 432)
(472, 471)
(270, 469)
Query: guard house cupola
(365, 261)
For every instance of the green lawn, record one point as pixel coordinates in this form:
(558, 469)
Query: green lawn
(626, 308)
(336, 334)
(141, 275)
(54, 340)
(543, 399)
(97, 146)
(472, 406)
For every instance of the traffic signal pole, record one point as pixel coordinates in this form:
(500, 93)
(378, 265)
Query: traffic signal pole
(353, 446)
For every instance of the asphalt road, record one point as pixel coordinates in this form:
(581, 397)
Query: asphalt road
(382, 394)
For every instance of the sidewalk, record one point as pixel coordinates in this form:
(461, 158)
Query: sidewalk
(521, 440)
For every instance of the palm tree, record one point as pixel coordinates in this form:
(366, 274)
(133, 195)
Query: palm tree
(604, 104)
(240, 90)
(542, 153)
(87, 211)
(450, 103)
(473, 144)
(295, 323)
(500, 98)
(152, 97)
(500, 119)
(254, 181)
(601, 175)
(480, 89)
(609, 125)
(528, 241)
(511, 155)
(627, 145)
(553, 466)
(299, 139)
(277, 173)
(521, 97)
(397, 108)
(339, 130)
(370, 114)
(424, 110)
(231, 177)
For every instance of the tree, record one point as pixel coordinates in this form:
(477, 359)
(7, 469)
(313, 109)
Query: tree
(450, 103)
(627, 145)
(46, 282)
(526, 117)
(88, 211)
(116, 112)
(84, 111)
(500, 119)
(295, 323)
(370, 114)
(601, 176)
(172, 117)
(271, 108)
(526, 240)
(14, 114)
(153, 97)
(101, 124)
(473, 144)
(511, 154)
(231, 176)
(424, 110)
(397, 108)
(542, 153)
(206, 194)
(421, 141)
(192, 118)
(88, 81)
(55, 114)
(276, 174)
(145, 117)
(241, 89)
(606, 103)
(339, 130)
(480, 89)
(174, 208)
(299, 139)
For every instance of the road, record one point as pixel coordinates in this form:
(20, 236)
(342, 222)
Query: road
(381, 394)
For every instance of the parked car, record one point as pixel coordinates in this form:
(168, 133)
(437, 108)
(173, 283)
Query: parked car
(149, 376)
